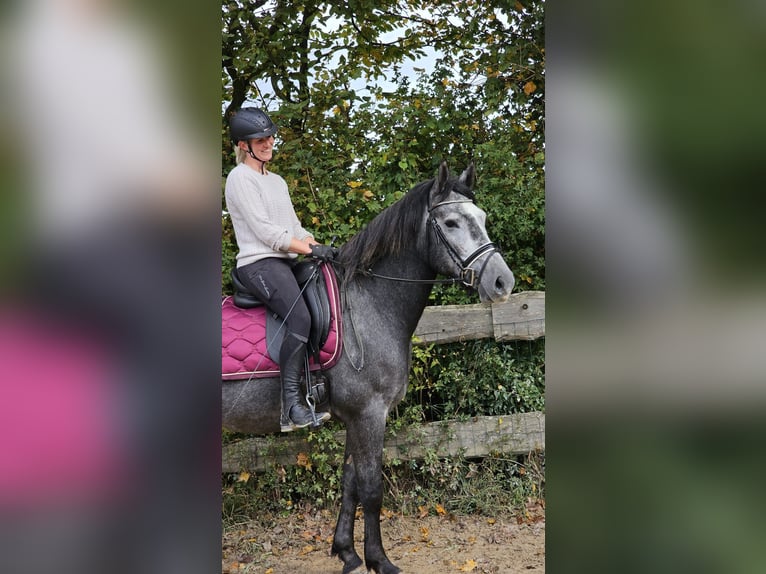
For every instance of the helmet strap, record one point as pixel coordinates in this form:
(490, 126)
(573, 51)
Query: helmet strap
(252, 155)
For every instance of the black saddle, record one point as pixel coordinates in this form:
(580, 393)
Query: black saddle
(311, 281)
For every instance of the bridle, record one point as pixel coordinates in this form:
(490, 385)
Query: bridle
(468, 275)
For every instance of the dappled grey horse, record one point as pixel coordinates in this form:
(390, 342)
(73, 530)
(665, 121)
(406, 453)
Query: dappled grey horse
(386, 273)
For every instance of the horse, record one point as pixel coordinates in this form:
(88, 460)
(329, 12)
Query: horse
(386, 272)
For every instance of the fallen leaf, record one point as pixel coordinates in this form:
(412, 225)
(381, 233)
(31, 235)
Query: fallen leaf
(468, 566)
(529, 87)
(304, 461)
(307, 549)
(440, 510)
(244, 476)
(423, 511)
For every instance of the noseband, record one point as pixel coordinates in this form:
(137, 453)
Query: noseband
(468, 275)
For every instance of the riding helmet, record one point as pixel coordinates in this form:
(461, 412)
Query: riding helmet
(251, 123)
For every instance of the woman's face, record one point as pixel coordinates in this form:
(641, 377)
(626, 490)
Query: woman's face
(262, 148)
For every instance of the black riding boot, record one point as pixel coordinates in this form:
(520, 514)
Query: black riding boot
(295, 413)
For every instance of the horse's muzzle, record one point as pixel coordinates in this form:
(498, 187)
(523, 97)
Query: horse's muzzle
(496, 283)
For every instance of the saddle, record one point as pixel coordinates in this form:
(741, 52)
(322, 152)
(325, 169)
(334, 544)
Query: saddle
(252, 336)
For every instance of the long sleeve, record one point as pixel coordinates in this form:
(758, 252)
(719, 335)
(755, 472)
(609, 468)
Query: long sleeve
(262, 214)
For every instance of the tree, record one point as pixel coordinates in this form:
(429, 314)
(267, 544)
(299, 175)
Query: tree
(371, 96)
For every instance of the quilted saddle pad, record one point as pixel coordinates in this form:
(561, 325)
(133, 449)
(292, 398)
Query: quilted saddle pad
(244, 353)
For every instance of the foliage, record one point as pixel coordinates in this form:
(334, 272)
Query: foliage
(316, 477)
(491, 486)
(474, 378)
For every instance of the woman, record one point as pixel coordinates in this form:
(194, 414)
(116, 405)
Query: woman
(270, 237)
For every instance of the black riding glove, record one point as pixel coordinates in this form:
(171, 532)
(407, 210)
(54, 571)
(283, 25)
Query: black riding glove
(323, 252)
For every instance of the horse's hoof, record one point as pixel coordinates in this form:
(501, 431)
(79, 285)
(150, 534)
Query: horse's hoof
(381, 571)
(355, 568)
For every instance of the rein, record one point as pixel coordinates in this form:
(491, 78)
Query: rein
(451, 281)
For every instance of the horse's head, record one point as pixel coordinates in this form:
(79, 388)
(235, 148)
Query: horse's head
(459, 240)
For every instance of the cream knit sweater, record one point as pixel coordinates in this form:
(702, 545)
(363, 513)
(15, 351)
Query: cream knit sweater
(262, 214)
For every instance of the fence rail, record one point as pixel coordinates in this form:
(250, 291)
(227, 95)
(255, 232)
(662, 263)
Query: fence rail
(522, 317)
(477, 437)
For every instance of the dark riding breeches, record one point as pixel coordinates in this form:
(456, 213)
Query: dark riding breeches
(273, 282)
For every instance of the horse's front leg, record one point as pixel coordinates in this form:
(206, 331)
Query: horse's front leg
(367, 455)
(343, 541)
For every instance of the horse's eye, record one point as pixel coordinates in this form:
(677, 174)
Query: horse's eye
(451, 223)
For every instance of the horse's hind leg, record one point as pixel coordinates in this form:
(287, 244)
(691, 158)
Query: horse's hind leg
(343, 541)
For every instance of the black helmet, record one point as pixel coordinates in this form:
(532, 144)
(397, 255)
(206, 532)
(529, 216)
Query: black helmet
(251, 123)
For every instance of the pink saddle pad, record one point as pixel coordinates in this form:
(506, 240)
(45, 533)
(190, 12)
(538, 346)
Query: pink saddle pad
(243, 342)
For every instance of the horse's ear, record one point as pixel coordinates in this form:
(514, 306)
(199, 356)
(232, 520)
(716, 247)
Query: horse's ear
(440, 185)
(468, 177)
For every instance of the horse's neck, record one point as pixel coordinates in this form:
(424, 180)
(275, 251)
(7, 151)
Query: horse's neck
(394, 305)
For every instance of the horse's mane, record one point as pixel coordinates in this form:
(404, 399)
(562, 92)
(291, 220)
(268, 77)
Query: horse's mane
(393, 229)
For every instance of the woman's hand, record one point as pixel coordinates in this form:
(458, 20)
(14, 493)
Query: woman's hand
(323, 252)
(300, 246)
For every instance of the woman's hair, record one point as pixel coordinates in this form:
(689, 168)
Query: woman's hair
(240, 153)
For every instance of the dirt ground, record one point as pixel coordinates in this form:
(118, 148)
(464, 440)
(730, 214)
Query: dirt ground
(435, 544)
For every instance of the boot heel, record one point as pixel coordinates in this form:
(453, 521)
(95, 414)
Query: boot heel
(286, 426)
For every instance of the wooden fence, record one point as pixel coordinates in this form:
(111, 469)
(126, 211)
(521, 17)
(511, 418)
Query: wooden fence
(522, 317)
